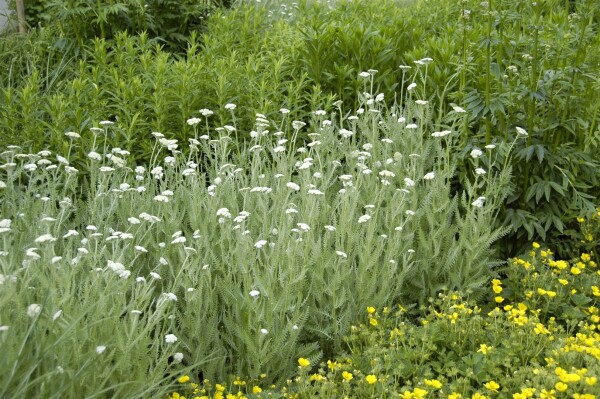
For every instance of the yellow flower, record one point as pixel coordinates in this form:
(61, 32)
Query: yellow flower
(563, 281)
(256, 389)
(419, 393)
(370, 310)
(477, 395)
(544, 394)
(499, 299)
(497, 289)
(492, 386)
(219, 388)
(453, 317)
(561, 386)
(347, 376)
(239, 382)
(591, 380)
(540, 329)
(580, 219)
(519, 395)
(317, 377)
(485, 349)
(535, 245)
(332, 365)
(373, 322)
(433, 383)
(583, 396)
(569, 377)
(371, 379)
(528, 392)
(302, 362)
(585, 257)
(183, 379)
(407, 395)
(454, 395)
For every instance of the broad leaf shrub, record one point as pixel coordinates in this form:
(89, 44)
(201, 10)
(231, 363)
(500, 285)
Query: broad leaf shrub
(530, 64)
(213, 260)
(535, 337)
(169, 21)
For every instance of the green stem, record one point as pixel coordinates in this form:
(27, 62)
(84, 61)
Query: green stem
(488, 56)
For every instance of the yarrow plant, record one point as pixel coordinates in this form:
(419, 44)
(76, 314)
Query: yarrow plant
(209, 239)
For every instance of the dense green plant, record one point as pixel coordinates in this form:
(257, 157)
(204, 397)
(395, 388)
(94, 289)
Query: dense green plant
(207, 242)
(534, 335)
(507, 63)
(498, 60)
(171, 21)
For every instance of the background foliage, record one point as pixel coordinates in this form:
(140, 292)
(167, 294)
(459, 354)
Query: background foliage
(507, 63)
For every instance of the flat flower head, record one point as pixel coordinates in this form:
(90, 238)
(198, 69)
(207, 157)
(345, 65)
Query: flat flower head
(34, 310)
(521, 132)
(170, 338)
(371, 379)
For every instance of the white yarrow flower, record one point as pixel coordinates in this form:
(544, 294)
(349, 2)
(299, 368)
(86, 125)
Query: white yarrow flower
(100, 349)
(293, 186)
(193, 121)
(45, 238)
(364, 218)
(303, 226)
(177, 357)
(478, 203)
(261, 243)
(34, 310)
(93, 155)
(521, 132)
(170, 338)
(254, 293)
(476, 153)
(429, 176)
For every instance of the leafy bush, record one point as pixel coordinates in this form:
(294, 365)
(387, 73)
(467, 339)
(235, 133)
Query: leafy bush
(206, 244)
(535, 335)
(170, 21)
(489, 60)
